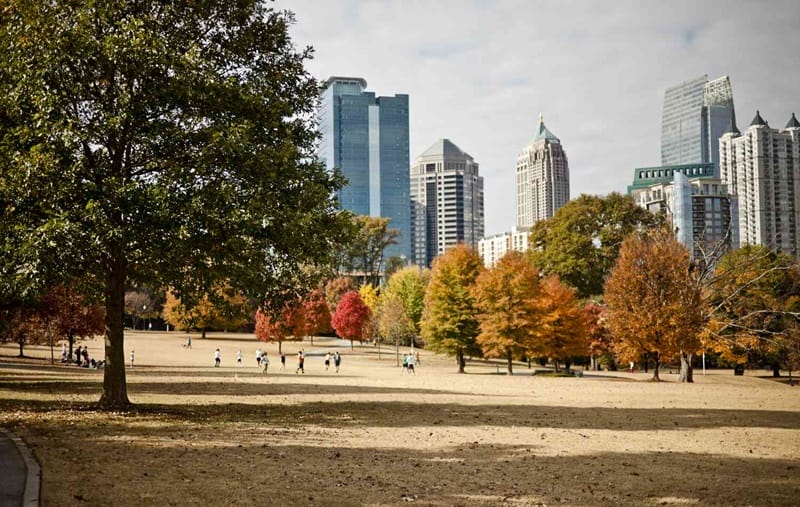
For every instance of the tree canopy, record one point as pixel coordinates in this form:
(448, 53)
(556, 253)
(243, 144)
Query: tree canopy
(581, 241)
(351, 318)
(161, 143)
(449, 320)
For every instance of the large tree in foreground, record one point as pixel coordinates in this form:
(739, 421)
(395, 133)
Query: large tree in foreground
(162, 144)
(654, 301)
(449, 323)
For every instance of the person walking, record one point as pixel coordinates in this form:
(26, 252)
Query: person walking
(300, 360)
(217, 358)
(239, 357)
(405, 364)
(417, 362)
(337, 360)
(133, 356)
(283, 361)
(258, 356)
(327, 360)
(410, 364)
(264, 363)
(78, 355)
(188, 342)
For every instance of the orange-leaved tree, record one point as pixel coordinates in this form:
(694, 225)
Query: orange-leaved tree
(288, 325)
(654, 301)
(351, 317)
(564, 331)
(449, 318)
(316, 315)
(508, 300)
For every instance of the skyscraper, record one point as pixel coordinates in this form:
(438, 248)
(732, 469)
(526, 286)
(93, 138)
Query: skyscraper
(446, 201)
(366, 138)
(762, 168)
(696, 114)
(542, 178)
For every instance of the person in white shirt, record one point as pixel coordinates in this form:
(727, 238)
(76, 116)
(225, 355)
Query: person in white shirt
(258, 356)
(264, 363)
(411, 364)
(327, 360)
(239, 357)
(217, 358)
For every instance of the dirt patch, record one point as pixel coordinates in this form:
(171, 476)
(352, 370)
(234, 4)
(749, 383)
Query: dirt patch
(372, 435)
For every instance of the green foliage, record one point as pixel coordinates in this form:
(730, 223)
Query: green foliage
(449, 323)
(363, 256)
(166, 143)
(581, 241)
(408, 285)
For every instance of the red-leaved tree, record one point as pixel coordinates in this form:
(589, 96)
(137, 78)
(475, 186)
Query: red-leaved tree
(316, 314)
(71, 315)
(289, 326)
(351, 317)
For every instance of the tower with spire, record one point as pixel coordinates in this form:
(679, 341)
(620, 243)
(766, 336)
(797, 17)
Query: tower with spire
(542, 177)
(762, 169)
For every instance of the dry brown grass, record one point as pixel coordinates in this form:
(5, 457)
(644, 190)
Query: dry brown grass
(371, 436)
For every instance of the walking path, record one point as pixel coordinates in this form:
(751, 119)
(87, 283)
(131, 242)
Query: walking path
(20, 480)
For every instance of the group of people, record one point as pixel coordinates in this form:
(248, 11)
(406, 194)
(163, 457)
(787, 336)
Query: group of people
(337, 360)
(81, 357)
(409, 360)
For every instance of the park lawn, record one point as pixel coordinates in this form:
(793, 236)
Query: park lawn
(371, 435)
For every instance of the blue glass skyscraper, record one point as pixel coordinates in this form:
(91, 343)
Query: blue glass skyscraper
(366, 138)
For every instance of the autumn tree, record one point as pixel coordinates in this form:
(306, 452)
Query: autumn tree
(600, 348)
(351, 317)
(409, 285)
(753, 304)
(336, 288)
(71, 315)
(564, 326)
(167, 143)
(371, 297)
(654, 302)
(510, 315)
(221, 309)
(287, 325)
(19, 324)
(394, 325)
(316, 314)
(580, 242)
(140, 305)
(449, 324)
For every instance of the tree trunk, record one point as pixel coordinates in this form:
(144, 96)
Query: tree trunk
(279, 347)
(311, 337)
(397, 351)
(687, 370)
(351, 344)
(655, 368)
(555, 365)
(510, 366)
(70, 340)
(115, 389)
(21, 342)
(203, 334)
(460, 360)
(776, 369)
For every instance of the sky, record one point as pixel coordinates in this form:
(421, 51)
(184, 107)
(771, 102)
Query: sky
(479, 72)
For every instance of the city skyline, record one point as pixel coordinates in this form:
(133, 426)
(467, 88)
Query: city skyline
(481, 72)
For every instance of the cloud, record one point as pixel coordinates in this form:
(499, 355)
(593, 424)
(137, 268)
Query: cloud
(480, 72)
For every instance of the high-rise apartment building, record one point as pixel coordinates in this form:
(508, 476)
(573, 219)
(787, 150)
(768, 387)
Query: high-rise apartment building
(542, 178)
(762, 168)
(446, 201)
(696, 114)
(702, 211)
(493, 248)
(366, 138)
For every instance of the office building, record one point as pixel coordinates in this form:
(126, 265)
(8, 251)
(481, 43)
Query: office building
(762, 168)
(542, 178)
(446, 201)
(366, 138)
(696, 113)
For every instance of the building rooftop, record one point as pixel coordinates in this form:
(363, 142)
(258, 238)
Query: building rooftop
(793, 123)
(543, 133)
(333, 79)
(759, 121)
(444, 148)
(645, 176)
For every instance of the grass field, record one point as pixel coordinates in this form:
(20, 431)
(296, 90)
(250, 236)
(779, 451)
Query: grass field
(371, 435)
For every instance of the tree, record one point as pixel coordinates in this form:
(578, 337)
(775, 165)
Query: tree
(221, 309)
(507, 297)
(753, 304)
(336, 288)
(139, 305)
(364, 255)
(351, 317)
(654, 301)
(69, 314)
(600, 347)
(564, 331)
(288, 324)
(316, 315)
(167, 143)
(19, 324)
(409, 286)
(581, 241)
(393, 263)
(449, 323)
(394, 324)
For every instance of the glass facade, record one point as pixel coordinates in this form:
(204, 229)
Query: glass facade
(366, 138)
(696, 114)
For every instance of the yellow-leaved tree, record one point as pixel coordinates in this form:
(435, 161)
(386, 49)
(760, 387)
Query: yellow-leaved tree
(510, 314)
(654, 301)
(564, 331)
